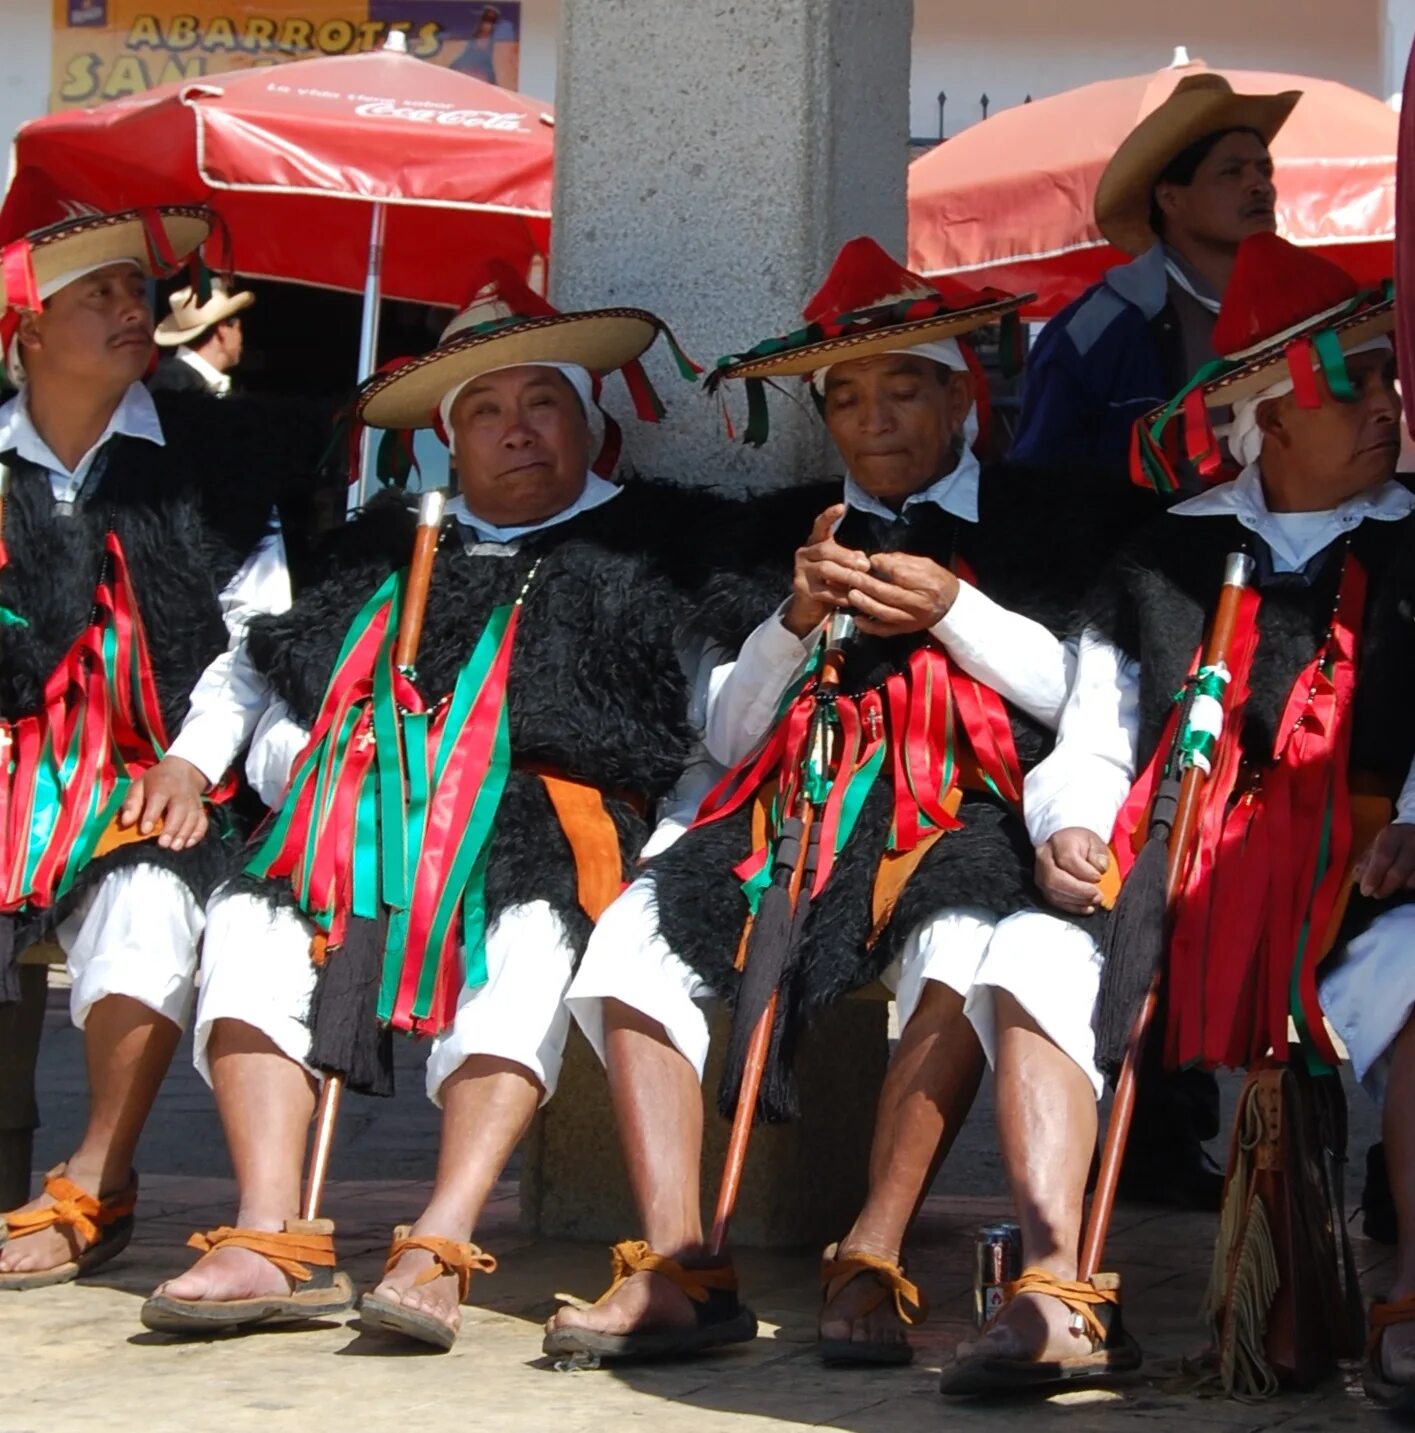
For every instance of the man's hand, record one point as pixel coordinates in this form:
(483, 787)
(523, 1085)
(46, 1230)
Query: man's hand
(170, 793)
(825, 572)
(902, 593)
(1068, 866)
(1389, 865)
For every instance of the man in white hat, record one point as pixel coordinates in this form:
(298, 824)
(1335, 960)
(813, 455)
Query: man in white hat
(207, 339)
(137, 544)
(947, 694)
(554, 696)
(1188, 184)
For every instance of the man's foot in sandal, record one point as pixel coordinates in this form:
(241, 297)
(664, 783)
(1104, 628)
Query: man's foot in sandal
(867, 1307)
(1050, 1331)
(63, 1233)
(249, 1276)
(1389, 1375)
(424, 1285)
(654, 1307)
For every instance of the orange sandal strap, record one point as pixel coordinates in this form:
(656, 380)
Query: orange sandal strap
(1081, 1296)
(450, 1256)
(291, 1253)
(838, 1269)
(73, 1208)
(1388, 1315)
(634, 1256)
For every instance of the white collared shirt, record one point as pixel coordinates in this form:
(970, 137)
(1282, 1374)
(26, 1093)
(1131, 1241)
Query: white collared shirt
(1086, 778)
(213, 377)
(596, 492)
(134, 417)
(1015, 656)
(230, 694)
(1295, 538)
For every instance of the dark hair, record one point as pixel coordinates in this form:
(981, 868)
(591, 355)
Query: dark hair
(1185, 165)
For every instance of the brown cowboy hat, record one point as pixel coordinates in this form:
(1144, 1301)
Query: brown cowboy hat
(1199, 105)
(87, 242)
(189, 317)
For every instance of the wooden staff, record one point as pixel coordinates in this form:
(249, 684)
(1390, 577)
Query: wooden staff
(405, 652)
(1238, 571)
(839, 630)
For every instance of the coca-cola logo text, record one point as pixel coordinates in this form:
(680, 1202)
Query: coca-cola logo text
(459, 118)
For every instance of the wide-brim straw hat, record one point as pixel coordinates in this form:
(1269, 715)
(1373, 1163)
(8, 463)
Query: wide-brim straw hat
(157, 239)
(1199, 105)
(189, 317)
(869, 305)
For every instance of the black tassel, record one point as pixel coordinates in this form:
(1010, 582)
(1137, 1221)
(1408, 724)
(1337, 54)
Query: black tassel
(1133, 949)
(9, 962)
(770, 953)
(347, 1037)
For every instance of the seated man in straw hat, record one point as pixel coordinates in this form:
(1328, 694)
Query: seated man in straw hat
(207, 338)
(548, 683)
(1189, 183)
(923, 873)
(1315, 687)
(137, 544)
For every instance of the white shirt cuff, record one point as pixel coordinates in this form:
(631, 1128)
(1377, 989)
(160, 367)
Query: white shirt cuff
(206, 741)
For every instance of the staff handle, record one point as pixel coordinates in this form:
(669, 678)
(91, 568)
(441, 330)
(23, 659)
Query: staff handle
(1238, 572)
(405, 652)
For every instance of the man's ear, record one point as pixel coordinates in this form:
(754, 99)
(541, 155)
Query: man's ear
(29, 334)
(1167, 199)
(1270, 422)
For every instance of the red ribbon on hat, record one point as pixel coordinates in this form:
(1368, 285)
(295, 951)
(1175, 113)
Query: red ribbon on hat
(21, 286)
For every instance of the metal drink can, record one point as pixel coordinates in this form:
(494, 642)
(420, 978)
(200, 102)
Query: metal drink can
(997, 1262)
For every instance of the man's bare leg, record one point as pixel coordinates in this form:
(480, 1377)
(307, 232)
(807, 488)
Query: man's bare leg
(658, 1106)
(927, 1093)
(266, 1102)
(1046, 1122)
(1398, 1131)
(487, 1105)
(127, 1047)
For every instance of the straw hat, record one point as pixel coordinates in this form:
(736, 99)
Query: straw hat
(1286, 312)
(190, 317)
(157, 239)
(1200, 104)
(869, 304)
(504, 326)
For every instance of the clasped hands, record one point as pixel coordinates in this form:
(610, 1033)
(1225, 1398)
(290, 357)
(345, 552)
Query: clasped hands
(889, 594)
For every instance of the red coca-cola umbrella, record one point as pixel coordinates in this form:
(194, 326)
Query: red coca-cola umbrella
(1008, 202)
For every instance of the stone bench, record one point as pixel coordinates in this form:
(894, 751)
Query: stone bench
(804, 1181)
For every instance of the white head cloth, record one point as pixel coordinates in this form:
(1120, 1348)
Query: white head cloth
(14, 364)
(945, 351)
(1245, 438)
(579, 378)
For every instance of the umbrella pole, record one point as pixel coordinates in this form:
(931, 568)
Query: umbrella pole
(368, 340)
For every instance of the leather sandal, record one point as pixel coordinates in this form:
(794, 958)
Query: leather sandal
(449, 1257)
(1095, 1306)
(840, 1270)
(303, 1251)
(1399, 1397)
(720, 1318)
(101, 1225)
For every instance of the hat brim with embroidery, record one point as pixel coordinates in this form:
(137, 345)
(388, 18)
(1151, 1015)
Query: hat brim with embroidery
(1199, 105)
(867, 306)
(1287, 314)
(158, 239)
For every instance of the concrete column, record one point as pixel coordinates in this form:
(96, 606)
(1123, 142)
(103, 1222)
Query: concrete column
(711, 158)
(1397, 36)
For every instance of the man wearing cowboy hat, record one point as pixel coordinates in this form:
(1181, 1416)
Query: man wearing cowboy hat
(1314, 689)
(557, 704)
(136, 546)
(207, 338)
(948, 693)
(1188, 184)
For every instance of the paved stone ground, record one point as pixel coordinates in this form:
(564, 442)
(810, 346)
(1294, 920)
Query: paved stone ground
(76, 1358)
